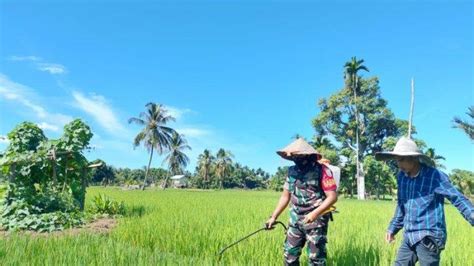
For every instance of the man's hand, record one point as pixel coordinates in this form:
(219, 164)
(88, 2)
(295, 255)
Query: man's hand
(389, 237)
(269, 223)
(310, 217)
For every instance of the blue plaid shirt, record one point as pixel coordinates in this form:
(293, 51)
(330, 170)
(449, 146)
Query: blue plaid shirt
(420, 208)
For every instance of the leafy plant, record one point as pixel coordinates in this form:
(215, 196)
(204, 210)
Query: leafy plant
(46, 190)
(104, 205)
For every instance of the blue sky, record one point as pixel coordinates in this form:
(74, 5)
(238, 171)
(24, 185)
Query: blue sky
(241, 75)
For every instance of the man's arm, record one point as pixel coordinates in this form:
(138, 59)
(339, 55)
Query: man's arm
(459, 201)
(331, 198)
(396, 224)
(397, 221)
(281, 205)
(328, 184)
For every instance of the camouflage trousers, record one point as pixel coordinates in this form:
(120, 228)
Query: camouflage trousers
(315, 240)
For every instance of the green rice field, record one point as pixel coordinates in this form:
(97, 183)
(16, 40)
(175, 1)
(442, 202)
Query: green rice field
(189, 227)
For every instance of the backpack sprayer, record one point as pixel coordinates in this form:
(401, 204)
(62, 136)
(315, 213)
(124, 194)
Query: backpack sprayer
(265, 228)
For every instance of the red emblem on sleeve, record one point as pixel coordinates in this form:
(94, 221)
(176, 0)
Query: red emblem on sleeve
(328, 183)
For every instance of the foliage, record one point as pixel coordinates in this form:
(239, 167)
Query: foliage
(435, 159)
(220, 172)
(466, 126)
(3, 189)
(325, 147)
(48, 177)
(377, 124)
(278, 179)
(103, 174)
(102, 204)
(45, 210)
(223, 165)
(464, 181)
(205, 167)
(177, 160)
(380, 178)
(154, 134)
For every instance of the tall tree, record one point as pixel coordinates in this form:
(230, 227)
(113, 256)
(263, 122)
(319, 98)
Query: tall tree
(177, 160)
(467, 127)
(377, 124)
(205, 163)
(352, 81)
(223, 165)
(155, 134)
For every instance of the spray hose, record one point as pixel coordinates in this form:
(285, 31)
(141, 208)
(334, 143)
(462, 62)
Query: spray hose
(251, 234)
(329, 210)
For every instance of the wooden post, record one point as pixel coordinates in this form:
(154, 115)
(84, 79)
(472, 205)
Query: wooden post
(83, 182)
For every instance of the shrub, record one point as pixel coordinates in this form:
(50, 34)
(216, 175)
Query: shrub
(104, 205)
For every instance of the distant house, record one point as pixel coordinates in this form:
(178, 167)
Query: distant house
(179, 181)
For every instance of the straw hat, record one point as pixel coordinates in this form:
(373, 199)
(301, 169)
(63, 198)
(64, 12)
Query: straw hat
(298, 147)
(404, 147)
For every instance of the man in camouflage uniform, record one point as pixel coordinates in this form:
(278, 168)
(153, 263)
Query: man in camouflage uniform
(311, 189)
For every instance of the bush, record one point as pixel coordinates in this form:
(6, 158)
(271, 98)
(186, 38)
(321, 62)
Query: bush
(105, 205)
(19, 215)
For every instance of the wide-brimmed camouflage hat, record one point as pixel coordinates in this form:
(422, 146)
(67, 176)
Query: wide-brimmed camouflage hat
(404, 147)
(297, 148)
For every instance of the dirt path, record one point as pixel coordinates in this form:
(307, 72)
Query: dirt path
(100, 226)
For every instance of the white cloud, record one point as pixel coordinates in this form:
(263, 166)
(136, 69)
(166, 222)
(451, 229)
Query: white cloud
(177, 113)
(97, 107)
(24, 58)
(4, 140)
(193, 132)
(24, 95)
(52, 68)
(46, 126)
(40, 64)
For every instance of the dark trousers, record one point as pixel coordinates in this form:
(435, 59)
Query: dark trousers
(425, 251)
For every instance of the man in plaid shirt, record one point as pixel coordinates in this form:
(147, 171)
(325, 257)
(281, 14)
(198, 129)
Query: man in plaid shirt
(420, 209)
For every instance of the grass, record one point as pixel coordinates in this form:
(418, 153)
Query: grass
(177, 227)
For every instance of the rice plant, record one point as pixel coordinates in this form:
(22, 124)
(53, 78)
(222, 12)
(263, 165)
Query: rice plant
(189, 227)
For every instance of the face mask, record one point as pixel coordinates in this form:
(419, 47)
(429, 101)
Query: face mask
(302, 163)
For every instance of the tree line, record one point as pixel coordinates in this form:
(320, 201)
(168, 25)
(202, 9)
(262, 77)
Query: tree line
(350, 127)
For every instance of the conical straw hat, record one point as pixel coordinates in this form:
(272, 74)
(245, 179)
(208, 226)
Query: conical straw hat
(404, 147)
(298, 147)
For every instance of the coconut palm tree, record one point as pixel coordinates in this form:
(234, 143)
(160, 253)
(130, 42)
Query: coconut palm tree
(176, 158)
(435, 158)
(223, 164)
(352, 81)
(154, 134)
(205, 162)
(468, 127)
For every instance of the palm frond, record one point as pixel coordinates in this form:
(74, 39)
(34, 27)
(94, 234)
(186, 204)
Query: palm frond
(136, 121)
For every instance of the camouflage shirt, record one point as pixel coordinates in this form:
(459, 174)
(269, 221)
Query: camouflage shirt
(307, 192)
